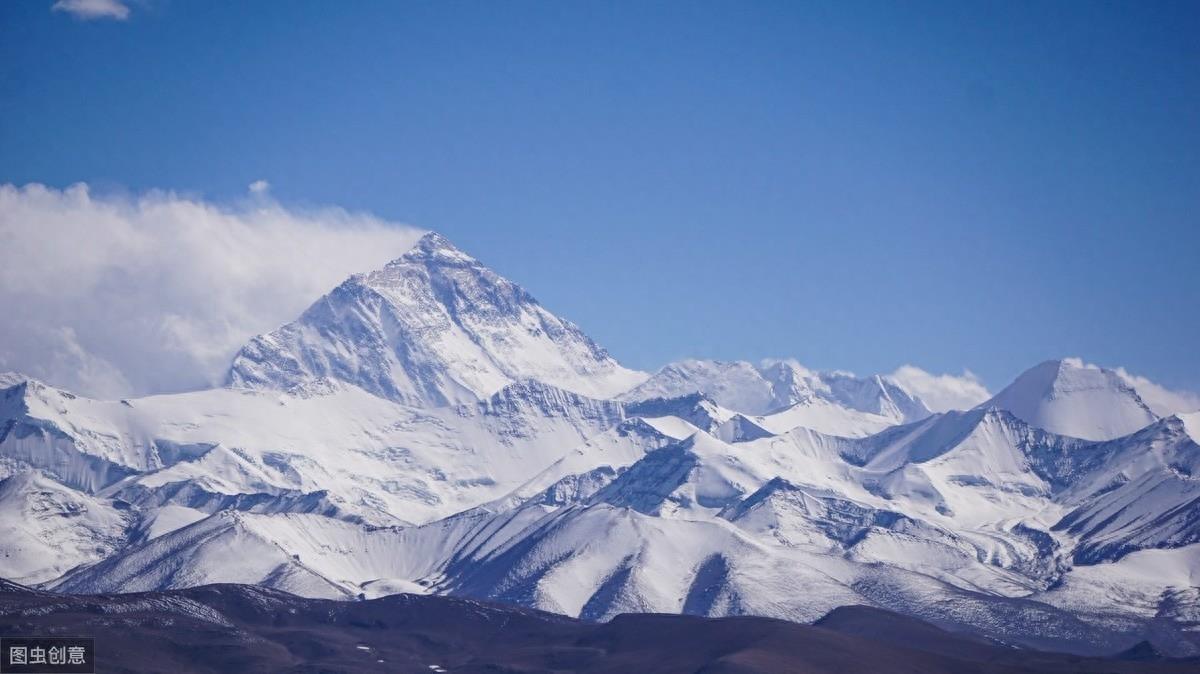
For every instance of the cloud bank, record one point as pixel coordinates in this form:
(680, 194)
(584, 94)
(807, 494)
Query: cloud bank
(92, 10)
(1162, 401)
(942, 392)
(114, 296)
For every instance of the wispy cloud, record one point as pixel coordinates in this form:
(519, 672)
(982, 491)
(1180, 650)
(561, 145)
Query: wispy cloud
(115, 296)
(1162, 400)
(92, 10)
(942, 392)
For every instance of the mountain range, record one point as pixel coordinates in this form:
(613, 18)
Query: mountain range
(430, 428)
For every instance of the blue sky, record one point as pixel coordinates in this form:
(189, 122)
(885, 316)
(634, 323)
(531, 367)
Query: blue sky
(858, 185)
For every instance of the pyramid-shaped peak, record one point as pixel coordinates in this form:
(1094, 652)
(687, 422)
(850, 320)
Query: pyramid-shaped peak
(433, 246)
(1070, 397)
(433, 327)
(1064, 376)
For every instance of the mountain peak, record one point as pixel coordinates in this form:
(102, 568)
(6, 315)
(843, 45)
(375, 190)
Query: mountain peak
(835, 402)
(1070, 397)
(433, 246)
(11, 379)
(433, 327)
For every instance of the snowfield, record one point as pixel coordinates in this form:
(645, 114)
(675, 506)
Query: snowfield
(430, 428)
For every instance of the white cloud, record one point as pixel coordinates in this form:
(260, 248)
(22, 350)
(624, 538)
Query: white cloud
(1163, 401)
(259, 187)
(92, 10)
(116, 296)
(942, 392)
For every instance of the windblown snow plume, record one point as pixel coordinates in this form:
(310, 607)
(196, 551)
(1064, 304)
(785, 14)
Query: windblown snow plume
(116, 295)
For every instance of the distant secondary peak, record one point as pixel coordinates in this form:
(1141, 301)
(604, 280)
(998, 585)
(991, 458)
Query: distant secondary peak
(1069, 397)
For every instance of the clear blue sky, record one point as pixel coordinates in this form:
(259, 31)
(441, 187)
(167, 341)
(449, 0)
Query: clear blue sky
(952, 184)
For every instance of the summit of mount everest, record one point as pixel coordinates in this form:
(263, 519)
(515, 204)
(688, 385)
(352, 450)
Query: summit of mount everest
(433, 327)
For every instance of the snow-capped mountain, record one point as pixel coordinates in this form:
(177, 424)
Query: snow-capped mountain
(1138, 492)
(430, 428)
(1070, 397)
(785, 394)
(432, 327)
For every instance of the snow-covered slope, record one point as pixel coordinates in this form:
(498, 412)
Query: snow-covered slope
(342, 450)
(737, 385)
(433, 327)
(47, 529)
(1138, 492)
(784, 394)
(1070, 397)
(808, 518)
(306, 554)
(776, 385)
(829, 417)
